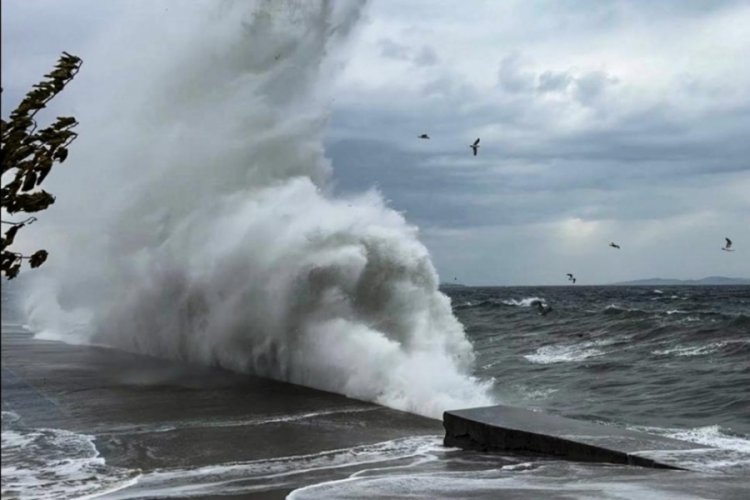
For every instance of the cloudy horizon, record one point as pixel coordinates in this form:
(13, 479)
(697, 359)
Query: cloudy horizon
(615, 121)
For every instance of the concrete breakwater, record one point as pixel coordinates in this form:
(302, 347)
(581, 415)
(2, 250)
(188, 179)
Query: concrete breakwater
(505, 428)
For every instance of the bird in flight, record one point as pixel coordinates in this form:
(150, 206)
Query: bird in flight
(571, 278)
(475, 146)
(424, 136)
(614, 245)
(728, 246)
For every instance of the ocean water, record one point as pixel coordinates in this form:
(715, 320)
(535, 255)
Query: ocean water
(673, 361)
(54, 463)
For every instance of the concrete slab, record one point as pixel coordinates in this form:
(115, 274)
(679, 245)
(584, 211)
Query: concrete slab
(153, 415)
(504, 428)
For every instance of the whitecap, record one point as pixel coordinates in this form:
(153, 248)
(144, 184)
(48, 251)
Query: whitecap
(726, 452)
(525, 302)
(697, 350)
(50, 464)
(564, 353)
(261, 475)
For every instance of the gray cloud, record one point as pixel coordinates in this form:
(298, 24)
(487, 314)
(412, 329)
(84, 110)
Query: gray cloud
(593, 119)
(591, 86)
(392, 50)
(554, 81)
(511, 76)
(424, 56)
(440, 195)
(588, 88)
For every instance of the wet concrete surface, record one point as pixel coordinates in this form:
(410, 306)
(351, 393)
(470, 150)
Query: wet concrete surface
(152, 414)
(505, 428)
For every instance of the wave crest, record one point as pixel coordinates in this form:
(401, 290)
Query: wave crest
(230, 250)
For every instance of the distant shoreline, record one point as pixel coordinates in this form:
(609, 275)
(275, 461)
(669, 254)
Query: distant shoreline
(709, 281)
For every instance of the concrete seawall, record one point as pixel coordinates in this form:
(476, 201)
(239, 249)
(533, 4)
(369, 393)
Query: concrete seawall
(504, 428)
(154, 416)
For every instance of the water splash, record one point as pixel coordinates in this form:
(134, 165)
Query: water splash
(224, 245)
(53, 464)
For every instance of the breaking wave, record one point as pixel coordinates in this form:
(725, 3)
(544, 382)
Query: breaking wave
(223, 244)
(567, 353)
(526, 302)
(54, 464)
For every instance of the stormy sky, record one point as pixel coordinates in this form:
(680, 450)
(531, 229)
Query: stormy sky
(625, 121)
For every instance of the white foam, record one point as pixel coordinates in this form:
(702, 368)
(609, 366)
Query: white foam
(54, 464)
(223, 423)
(11, 325)
(494, 483)
(729, 453)
(615, 307)
(698, 349)
(566, 353)
(693, 319)
(9, 417)
(221, 243)
(712, 435)
(534, 393)
(675, 311)
(525, 302)
(261, 475)
(538, 394)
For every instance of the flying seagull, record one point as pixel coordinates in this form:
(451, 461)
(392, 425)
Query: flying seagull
(543, 308)
(424, 136)
(475, 146)
(728, 246)
(571, 278)
(614, 245)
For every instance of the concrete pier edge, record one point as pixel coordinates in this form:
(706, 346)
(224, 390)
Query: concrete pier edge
(518, 430)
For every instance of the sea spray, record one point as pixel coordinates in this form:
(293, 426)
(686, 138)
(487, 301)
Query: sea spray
(223, 244)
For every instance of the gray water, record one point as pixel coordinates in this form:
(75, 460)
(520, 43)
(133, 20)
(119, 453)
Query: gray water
(671, 360)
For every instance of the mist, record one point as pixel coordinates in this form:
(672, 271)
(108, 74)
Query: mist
(201, 226)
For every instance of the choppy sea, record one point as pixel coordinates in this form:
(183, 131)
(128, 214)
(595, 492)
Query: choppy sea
(673, 361)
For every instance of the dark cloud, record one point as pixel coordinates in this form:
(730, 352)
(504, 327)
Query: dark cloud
(554, 81)
(438, 195)
(571, 130)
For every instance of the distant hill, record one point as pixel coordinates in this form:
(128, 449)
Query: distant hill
(452, 285)
(711, 280)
